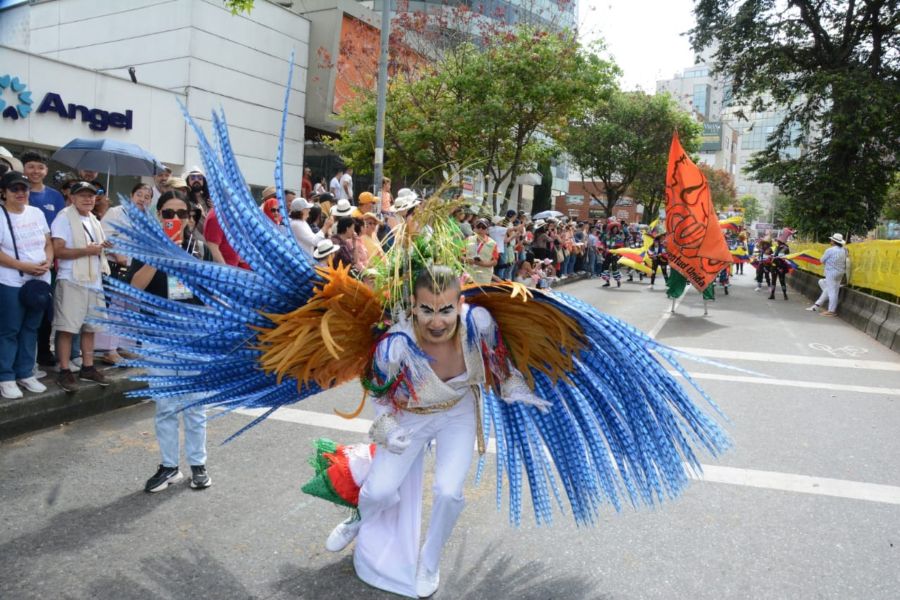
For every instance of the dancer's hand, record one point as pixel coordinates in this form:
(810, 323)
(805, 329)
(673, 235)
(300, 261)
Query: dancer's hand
(397, 441)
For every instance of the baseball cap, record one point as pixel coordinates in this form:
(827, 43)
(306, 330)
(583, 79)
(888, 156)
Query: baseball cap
(11, 178)
(80, 186)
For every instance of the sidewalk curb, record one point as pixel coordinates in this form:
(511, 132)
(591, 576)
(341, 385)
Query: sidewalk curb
(877, 318)
(55, 406)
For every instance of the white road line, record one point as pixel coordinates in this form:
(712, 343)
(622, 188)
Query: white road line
(804, 484)
(845, 363)
(665, 317)
(814, 385)
(786, 482)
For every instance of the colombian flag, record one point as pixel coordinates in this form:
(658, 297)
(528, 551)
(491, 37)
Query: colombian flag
(732, 223)
(633, 257)
(740, 255)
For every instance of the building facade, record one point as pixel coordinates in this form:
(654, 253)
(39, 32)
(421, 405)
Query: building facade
(190, 51)
(732, 133)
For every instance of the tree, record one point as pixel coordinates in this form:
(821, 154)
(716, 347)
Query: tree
(721, 186)
(626, 139)
(494, 109)
(833, 67)
(752, 209)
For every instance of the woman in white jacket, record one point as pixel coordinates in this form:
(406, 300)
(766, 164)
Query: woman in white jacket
(303, 233)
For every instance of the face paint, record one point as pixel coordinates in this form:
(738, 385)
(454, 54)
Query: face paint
(436, 315)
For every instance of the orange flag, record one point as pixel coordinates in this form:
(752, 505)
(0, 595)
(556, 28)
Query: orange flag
(694, 241)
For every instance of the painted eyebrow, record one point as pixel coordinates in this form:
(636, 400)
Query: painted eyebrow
(445, 307)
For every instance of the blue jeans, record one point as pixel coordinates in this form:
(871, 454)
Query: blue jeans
(167, 411)
(18, 335)
(569, 265)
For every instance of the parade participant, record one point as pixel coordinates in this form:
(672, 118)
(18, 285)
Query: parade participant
(779, 267)
(835, 263)
(659, 258)
(614, 239)
(531, 369)
(762, 260)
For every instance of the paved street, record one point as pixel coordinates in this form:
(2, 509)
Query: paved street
(806, 505)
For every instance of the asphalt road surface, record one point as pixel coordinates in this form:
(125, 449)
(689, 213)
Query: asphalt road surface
(806, 505)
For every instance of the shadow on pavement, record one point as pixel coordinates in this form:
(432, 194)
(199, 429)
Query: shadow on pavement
(492, 575)
(694, 326)
(195, 574)
(79, 527)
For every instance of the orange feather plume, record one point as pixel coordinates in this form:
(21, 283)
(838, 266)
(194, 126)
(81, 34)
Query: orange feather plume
(535, 333)
(329, 339)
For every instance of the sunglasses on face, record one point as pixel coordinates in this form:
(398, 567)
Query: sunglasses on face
(171, 213)
(195, 178)
(18, 188)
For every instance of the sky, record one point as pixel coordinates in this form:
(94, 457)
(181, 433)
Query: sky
(643, 37)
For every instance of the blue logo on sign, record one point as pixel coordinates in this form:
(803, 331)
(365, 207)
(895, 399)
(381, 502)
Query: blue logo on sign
(22, 105)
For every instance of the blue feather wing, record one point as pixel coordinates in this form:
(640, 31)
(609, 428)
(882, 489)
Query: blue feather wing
(207, 353)
(624, 430)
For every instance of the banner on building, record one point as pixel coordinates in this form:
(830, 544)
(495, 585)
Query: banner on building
(711, 140)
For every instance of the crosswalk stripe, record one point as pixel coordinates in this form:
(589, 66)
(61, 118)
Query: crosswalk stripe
(815, 385)
(816, 361)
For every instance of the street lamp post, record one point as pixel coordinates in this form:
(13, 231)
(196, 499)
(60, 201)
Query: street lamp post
(381, 102)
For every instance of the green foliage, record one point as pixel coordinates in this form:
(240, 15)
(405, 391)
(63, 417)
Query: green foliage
(752, 209)
(834, 65)
(239, 6)
(624, 141)
(494, 109)
(721, 186)
(892, 200)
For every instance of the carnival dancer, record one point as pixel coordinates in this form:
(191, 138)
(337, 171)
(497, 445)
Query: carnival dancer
(614, 238)
(742, 244)
(532, 370)
(659, 258)
(762, 260)
(779, 267)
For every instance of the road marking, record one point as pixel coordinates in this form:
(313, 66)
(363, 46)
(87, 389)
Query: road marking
(803, 484)
(814, 385)
(786, 482)
(847, 363)
(844, 350)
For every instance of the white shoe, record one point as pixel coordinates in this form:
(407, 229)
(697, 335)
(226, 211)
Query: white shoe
(813, 308)
(33, 385)
(9, 389)
(651, 287)
(38, 374)
(341, 536)
(756, 289)
(427, 583)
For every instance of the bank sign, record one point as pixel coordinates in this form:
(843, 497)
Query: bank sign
(21, 104)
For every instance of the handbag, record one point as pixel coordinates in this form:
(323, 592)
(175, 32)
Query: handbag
(34, 294)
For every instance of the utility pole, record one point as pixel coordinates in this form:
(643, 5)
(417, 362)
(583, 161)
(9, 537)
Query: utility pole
(382, 97)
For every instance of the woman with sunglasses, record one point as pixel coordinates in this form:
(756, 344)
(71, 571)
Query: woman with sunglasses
(174, 215)
(26, 253)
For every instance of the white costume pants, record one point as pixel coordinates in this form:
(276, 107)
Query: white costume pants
(831, 287)
(390, 501)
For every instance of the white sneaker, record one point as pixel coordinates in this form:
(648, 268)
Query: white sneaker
(813, 308)
(427, 583)
(651, 287)
(341, 536)
(756, 289)
(38, 374)
(33, 385)
(9, 389)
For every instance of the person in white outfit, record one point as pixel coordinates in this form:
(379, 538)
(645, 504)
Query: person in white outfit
(303, 233)
(444, 406)
(835, 263)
